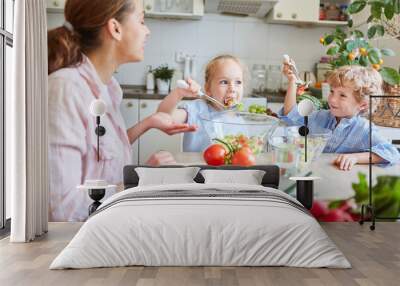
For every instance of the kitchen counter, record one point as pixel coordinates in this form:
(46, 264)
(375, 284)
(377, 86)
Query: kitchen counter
(334, 184)
(140, 92)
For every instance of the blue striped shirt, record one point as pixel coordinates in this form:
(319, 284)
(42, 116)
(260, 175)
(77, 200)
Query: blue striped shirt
(351, 135)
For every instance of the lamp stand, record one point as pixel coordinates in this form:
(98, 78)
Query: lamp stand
(369, 209)
(96, 195)
(303, 131)
(100, 131)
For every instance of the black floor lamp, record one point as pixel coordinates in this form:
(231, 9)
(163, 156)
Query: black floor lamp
(369, 209)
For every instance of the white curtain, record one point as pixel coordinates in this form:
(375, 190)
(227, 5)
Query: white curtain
(26, 120)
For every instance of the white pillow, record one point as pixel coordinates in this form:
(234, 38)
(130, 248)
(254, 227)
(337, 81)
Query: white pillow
(166, 176)
(248, 177)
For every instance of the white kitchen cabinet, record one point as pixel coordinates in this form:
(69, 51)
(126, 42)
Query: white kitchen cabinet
(154, 140)
(298, 12)
(130, 113)
(55, 6)
(295, 11)
(183, 9)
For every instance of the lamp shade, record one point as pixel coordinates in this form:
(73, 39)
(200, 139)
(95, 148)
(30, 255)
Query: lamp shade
(97, 107)
(305, 107)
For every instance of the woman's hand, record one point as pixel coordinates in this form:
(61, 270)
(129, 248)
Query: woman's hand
(165, 122)
(345, 161)
(161, 158)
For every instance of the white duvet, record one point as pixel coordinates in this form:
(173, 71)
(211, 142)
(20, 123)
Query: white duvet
(183, 231)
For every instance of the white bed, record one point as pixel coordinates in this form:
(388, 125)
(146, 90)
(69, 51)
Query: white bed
(203, 225)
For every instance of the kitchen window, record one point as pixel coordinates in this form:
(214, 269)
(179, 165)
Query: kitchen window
(6, 64)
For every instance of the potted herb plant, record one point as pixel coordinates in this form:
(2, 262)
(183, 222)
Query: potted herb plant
(163, 76)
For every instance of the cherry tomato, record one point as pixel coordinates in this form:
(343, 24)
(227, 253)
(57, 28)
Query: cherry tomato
(215, 155)
(243, 157)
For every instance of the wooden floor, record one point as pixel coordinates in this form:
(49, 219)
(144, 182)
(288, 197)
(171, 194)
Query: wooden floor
(375, 257)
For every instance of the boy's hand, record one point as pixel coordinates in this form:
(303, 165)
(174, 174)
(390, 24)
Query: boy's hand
(345, 161)
(165, 122)
(288, 72)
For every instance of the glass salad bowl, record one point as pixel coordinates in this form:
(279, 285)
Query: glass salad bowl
(240, 128)
(288, 149)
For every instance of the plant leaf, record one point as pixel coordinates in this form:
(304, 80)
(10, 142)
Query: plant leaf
(370, 18)
(371, 32)
(334, 204)
(350, 23)
(358, 33)
(390, 75)
(332, 50)
(364, 61)
(350, 45)
(361, 188)
(380, 30)
(388, 52)
(396, 6)
(376, 9)
(389, 11)
(329, 39)
(374, 56)
(356, 6)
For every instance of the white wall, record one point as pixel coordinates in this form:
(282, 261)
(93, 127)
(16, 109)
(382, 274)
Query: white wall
(251, 39)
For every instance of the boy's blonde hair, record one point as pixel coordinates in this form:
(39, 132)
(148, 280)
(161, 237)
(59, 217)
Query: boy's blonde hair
(362, 80)
(211, 66)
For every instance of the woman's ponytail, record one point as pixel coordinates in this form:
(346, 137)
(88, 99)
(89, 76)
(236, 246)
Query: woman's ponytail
(63, 49)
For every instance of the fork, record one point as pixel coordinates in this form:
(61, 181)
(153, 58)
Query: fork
(183, 84)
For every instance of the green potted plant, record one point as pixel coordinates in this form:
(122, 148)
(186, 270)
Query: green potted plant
(163, 76)
(384, 17)
(353, 49)
(347, 49)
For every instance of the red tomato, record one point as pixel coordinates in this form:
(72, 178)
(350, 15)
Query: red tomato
(215, 155)
(336, 215)
(319, 209)
(243, 157)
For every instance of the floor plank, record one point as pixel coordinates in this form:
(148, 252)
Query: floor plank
(374, 255)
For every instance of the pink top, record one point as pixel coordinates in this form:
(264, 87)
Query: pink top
(73, 142)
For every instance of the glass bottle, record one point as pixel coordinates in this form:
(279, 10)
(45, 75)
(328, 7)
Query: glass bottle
(274, 78)
(258, 78)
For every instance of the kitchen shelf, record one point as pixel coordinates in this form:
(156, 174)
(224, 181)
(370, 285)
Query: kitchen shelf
(328, 23)
(174, 15)
(311, 23)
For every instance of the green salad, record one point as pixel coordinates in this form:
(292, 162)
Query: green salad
(255, 143)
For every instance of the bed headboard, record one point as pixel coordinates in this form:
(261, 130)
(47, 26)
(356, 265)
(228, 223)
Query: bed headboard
(270, 179)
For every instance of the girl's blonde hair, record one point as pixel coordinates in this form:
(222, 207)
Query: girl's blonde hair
(87, 18)
(362, 80)
(212, 66)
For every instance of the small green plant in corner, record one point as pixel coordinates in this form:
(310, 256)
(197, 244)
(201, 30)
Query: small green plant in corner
(163, 72)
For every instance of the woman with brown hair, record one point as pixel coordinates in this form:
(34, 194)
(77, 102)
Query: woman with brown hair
(96, 38)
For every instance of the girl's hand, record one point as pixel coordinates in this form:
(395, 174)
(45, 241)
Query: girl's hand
(345, 161)
(161, 158)
(191, 91)
(288, 72)
(165, 122)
